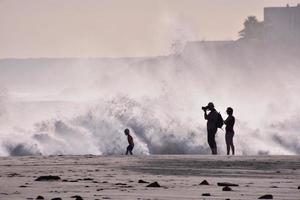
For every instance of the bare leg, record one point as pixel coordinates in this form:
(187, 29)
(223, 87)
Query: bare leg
(227, 144)
(128, 150)
(232, 148)
(228, 149)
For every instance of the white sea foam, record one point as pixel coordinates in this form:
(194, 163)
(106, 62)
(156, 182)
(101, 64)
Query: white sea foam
(82, 106)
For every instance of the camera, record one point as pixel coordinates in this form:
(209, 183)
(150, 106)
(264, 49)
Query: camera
(204, 108)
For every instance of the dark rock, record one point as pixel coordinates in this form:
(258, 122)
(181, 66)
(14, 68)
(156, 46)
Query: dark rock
(273, 186)
(23, 186)
(227, 184)
(88, 179)
(48, 178)
(120, 184)
(154, 184)
(142, 181)
(77, 197)
(57, 198)
(298, 187)
(206, 194)
(204, 182)
(266, 196)
(227, 188)
(40, 197)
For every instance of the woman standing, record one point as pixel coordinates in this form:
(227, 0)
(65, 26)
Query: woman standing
(229, 122)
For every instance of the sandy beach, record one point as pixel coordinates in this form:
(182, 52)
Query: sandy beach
(127, 177)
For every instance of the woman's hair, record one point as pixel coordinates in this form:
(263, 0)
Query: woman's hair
(229, 110)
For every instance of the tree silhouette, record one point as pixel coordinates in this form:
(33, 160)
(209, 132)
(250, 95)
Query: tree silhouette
(253, 29)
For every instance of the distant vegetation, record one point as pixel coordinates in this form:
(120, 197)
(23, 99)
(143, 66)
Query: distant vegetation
(253, 29)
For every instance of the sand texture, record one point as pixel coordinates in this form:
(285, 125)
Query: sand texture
(127, 177)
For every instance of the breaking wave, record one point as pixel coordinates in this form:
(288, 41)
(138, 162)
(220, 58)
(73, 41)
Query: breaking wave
(85, 109)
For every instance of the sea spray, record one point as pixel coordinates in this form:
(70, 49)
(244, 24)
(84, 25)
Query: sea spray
(82, 106)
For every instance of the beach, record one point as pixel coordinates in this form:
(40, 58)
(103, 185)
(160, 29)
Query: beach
(127, 177)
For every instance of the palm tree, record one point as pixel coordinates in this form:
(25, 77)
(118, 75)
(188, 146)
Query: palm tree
(253, 29)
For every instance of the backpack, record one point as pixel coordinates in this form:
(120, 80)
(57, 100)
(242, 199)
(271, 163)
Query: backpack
(220, 121)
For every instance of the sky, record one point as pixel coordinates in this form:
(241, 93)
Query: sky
(118, 28)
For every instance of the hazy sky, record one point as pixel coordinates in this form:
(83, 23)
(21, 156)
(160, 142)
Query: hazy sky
(92, 28)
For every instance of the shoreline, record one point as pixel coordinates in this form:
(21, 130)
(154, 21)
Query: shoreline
(117, 177)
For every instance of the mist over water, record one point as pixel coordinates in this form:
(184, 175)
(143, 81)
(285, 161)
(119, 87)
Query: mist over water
(82, 106)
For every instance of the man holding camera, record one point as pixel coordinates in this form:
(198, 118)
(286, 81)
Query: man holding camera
(212, 119)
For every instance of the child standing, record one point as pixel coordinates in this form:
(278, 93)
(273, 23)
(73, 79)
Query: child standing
(130, 141)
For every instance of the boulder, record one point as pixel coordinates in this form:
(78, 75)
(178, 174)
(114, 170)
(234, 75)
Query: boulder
(142, 181)
(227, 188)
(48, 178)
(204, 182)
(227, 184)
(154, 184)
(266, 196)
(77, 197)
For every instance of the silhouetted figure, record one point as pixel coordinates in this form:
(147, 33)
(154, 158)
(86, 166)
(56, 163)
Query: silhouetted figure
(130, 142)
(212, 118)
(229, 122)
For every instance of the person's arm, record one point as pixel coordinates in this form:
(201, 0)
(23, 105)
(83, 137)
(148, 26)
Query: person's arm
(226, 121)
(205, 115)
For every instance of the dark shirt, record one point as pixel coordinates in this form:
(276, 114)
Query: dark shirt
(229, 122)
(212, 118)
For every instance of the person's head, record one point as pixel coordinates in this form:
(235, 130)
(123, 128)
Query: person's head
(229, 111)
(210, 106)
(126, 131)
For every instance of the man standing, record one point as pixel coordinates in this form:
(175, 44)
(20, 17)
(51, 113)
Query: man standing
(130, 141)
(212, 119)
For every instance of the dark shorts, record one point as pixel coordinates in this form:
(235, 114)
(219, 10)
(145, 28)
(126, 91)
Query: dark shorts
(130, 147)
(229, 137)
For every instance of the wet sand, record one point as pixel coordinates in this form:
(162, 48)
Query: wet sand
(179, 177)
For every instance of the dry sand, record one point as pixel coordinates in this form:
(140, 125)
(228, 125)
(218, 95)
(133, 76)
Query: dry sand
(116, 177)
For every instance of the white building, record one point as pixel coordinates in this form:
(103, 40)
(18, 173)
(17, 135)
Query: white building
(282, 23)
